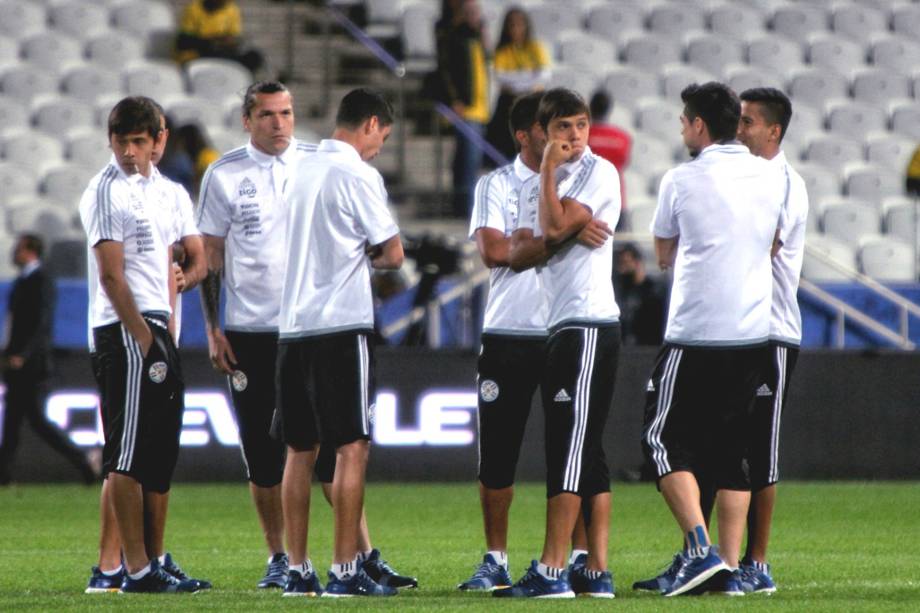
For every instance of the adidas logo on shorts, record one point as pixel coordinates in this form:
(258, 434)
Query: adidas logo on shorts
(764, 390)
(562, 396)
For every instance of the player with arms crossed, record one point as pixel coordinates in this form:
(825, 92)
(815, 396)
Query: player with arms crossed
(338, 227)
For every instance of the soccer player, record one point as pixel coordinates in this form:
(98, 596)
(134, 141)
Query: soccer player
(715, 224)
(573, 188)
(765, 115)
(130, 218)
(338, 227)
(108, 575)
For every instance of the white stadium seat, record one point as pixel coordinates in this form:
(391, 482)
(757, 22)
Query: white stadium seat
(33, 149)
(879, 85)
(828, 50)
(815, 86)
(143, 16)
(627, 84)
(585, 50)
(47, 221)
(58, 116)
(798, 20)
(638, 186)
(648, 51)
(734, 19)
(887, 259)
(742, 76)
(66, 182)
(16, 180)
(675, 18)
(193, 110)
(902, 218)
(25, 83)
(858, 22)
(639, 215)
(713, 53)
(114, 50)
(611, 18)
(659, 117)
(21, 19)
(904, 117)
(854, 119)
(79, 18)
(14, 115)
(216, 79)
(897, 53)
(820, 182)
(648, 150)
(832, 151)
(805, 120)
(585, 82)
(814, 268)
(52, 51)
(847, 220)
(774, 52)
(90, 82)
(905, 19)
(9, 50)
(418, 38)
(553, 17)
(873, 183)
(154, 79)
(675, 77)
(88, 148)
(889, 150)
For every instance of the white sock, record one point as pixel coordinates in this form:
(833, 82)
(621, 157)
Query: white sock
(111, 573)
(345, 569)
(576, 553)
(549, 572)
(304, 569)
(162, 559)
(364, 555)
(141, 573)
(500, 556)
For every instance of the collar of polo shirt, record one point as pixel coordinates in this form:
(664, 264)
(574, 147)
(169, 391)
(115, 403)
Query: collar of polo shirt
(265, 160)
(521, 170)
(332, 144)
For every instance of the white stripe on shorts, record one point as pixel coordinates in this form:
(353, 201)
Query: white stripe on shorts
(665, 396)
(778, 394)
(135, 364)
(581, 404)
(363, 363)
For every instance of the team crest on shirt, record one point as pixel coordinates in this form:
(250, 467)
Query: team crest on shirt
(157, 372)
(372, 413)
(247, 188)
(488, 390)
(239, 380)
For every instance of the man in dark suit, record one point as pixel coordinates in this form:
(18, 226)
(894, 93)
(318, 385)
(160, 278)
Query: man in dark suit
(27, 360)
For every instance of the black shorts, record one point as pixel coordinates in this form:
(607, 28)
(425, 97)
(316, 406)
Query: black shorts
(326, 389)
(142, 402)
(509, 371)
(252, 386)
(577, 390)
(763, 451)
(697, 412)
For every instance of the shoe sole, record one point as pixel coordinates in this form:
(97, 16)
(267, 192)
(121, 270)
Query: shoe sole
(701, 578)
(607, 595)
(101, 590)
(767, 591)
(483, 589)
(300, 594)
(569, 594)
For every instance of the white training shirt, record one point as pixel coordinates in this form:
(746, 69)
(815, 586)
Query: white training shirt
(577, 279)
(337, 206)
(516, 304)
(786, 320)
(725, 208)
(139, 212)
(186, 227)
(242, 200)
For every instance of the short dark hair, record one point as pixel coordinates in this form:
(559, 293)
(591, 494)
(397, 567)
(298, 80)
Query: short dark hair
(717, 105)
(33, 242)
(260, 87)
(600, 104)
(135, 114)
(523, 112)
(361, 104)
(560, 102)
(775, 105)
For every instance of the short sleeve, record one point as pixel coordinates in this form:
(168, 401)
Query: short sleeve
(597, 186)
(185, 215)
(369, 197)
(214, 212)
(488, 210)
(105, 219)
(528, 206)
(664, 223)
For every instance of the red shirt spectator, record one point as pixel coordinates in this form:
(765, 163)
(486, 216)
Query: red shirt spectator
(607, 140)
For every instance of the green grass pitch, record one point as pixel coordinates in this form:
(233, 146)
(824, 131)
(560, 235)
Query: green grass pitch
(836, 547)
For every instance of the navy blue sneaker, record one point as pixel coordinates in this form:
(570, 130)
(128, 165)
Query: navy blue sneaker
(381, 572)
(300, 585)
(100, 583)
(157, 581)
(359, 584)
(580, 561)
(663, 581)
(584, 585)
(276, 573)
(720, 584)
(694, 571)
(490, 575)
(171, 567)
(755, 578)
(535, 585)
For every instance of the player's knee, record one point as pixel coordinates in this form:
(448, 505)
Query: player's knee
(266, 477)
(496, 479)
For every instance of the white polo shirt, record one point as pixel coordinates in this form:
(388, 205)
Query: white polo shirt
(242, 201)
(516, 305)
(577, 279)
(725, 208)
(337, 206)
(786, 320)
(185, 227)
(141, 213)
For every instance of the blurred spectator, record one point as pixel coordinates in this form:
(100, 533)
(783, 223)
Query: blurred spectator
(187, 156)
(607, 140)
(913, 174)
(642, 299)
(213, 28)
(176, 162)
(465, 77)
(521, 66)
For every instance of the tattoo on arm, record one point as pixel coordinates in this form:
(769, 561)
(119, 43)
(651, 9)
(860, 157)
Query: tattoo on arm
(210, 298)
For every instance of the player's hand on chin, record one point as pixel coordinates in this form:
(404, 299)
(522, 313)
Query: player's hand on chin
(557, 152)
